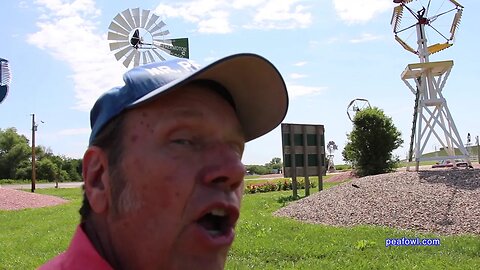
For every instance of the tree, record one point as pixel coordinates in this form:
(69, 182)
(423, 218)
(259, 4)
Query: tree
(257, 169)
(274, 164)
(371, 142)
(14, 151)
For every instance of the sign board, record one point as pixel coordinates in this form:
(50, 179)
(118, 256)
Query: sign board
(303, 151)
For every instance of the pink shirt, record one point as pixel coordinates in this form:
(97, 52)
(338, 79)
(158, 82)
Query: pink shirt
(80, 255)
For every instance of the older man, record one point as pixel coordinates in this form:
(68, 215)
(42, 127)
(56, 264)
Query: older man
(163, 176)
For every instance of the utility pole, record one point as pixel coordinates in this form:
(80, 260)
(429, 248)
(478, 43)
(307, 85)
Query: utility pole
(34, 128)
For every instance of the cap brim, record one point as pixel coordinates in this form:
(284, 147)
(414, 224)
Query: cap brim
(257, 88)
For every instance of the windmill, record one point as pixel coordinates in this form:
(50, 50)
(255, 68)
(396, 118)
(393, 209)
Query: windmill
(5, 78)
(331, 147)
(138, 37)
(355, 106)
(426, 79)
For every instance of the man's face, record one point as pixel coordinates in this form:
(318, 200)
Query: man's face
(184, 182)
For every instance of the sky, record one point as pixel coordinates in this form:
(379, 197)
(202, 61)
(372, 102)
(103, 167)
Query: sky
(329, 53)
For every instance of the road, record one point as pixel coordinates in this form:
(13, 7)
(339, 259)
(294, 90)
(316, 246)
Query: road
(44, 185)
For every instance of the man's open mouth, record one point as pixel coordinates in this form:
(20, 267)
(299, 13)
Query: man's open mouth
(217, 222)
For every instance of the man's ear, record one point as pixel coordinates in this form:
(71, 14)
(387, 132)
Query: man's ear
(96, 179)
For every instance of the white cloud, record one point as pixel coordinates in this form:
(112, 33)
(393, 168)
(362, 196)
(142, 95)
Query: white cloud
(297, 75)
(281, 14)
(74, 131)
(365, 38)
(215, 16)
(295, 90)
(211, 16)
(300, 64)
(353, 11)
(23, 4)
(69, 33)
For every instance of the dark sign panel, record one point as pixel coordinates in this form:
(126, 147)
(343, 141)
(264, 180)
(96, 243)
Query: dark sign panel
(303, 150)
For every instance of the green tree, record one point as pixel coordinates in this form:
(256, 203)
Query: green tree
(14, 152)
(73, 167)
(274, 164)
(371, 142)
(257, 169)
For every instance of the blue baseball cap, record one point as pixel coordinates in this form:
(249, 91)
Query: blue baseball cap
(256, 86)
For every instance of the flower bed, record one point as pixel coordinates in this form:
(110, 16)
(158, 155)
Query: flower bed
(269, 186)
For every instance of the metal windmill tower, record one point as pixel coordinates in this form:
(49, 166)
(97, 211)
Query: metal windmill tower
(427, 79)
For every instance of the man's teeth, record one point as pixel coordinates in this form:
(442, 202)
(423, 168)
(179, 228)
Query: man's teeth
(218, 212)
(214, 232)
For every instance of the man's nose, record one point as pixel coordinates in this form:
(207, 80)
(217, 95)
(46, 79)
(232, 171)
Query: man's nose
(224, 168)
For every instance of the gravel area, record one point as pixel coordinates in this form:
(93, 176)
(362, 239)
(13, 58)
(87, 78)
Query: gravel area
(444, 201)
(11, 199)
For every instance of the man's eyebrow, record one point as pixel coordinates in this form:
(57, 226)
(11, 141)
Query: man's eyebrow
(187, 113)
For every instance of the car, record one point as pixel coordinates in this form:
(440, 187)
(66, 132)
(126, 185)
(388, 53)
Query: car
(448, 163)
(461, 163)
(442, 164)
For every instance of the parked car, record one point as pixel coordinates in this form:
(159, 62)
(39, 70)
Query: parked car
(448, 163)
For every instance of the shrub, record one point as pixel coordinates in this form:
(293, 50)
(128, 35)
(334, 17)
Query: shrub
(282, 185)
(371, 142)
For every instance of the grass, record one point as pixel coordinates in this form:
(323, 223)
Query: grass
(267, 242)
(30, 237)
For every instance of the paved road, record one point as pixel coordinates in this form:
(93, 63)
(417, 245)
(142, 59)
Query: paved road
(44, 185)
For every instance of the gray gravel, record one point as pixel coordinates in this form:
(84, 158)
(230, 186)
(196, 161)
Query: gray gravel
(445, 201)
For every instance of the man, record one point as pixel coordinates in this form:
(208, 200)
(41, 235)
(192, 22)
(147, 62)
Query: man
(163, 176)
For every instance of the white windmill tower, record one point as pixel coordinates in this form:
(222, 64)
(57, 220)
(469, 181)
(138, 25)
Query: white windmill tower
(427, 79)
(138, 37)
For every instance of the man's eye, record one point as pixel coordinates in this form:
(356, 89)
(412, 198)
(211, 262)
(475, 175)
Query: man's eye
(183, 141)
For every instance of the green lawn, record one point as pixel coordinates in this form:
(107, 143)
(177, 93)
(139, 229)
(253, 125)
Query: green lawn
(30, 237)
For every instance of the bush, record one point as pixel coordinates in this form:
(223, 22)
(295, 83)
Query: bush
(371, 142)
(282, 185)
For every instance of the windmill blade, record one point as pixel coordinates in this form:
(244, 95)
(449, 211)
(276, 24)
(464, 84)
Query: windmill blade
(136, 17)
(405, 45)
(164, 48)
(158, 55)
(144, 57)
(150, 57)
(157, 27)
(117, 28)
(129, 59)
(115, 36)
(161, 34)
(5, 74)
(456, 23)
(144, 17)
(438, 47)
(396, 18)
(136, 58)
(162, 42)
(152, 20)
(123, 52)
(128, 16)
(121, 21)
(118, 45)
(456, 3)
